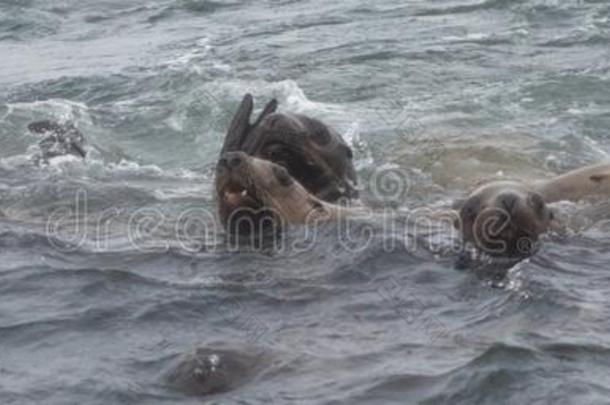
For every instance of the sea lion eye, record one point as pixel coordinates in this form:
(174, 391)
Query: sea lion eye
(537, 202)
(273, 152)
(278, 154)
(282, 176)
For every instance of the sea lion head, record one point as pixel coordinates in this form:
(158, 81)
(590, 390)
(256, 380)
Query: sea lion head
(312, 152)
(504, 218)
(259, 190)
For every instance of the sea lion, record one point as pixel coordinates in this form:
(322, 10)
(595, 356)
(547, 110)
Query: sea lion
(313, 153)
(577, 184)
(209, 371)
(506, 218)
(253, 191)
(59, 139)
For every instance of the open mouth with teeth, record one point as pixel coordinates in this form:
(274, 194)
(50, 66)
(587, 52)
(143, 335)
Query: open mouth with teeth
(241, 209)
(236, 193)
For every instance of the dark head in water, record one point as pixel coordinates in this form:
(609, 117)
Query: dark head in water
(59, 139)
(504, 218)
(313, 153)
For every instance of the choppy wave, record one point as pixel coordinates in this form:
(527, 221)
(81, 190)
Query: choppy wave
(446, 92)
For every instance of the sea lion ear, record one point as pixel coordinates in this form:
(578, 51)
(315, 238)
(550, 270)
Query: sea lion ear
(269, 109)
(240, 125)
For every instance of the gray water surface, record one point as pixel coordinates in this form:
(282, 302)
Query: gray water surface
(107, 297)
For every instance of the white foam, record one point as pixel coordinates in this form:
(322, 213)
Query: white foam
(352, 134)
(191, 58)
(14, 162)
(58, 161)
(61, 109)
(288, 93)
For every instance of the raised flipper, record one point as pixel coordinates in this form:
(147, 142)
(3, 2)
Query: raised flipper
(59, 139)
(240, 125)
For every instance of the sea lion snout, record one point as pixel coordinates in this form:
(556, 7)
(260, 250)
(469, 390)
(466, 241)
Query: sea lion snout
(508, 201)
(232, 160)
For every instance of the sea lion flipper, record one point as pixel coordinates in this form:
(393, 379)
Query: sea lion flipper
(79, 149)
(578, 184)
(58, 139)
(240, 124)
(40, 127)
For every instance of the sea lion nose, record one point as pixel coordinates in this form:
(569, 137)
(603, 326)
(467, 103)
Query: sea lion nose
(508, 202)
(231, 160)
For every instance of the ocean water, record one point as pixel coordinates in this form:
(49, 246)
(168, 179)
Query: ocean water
(117, 287)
